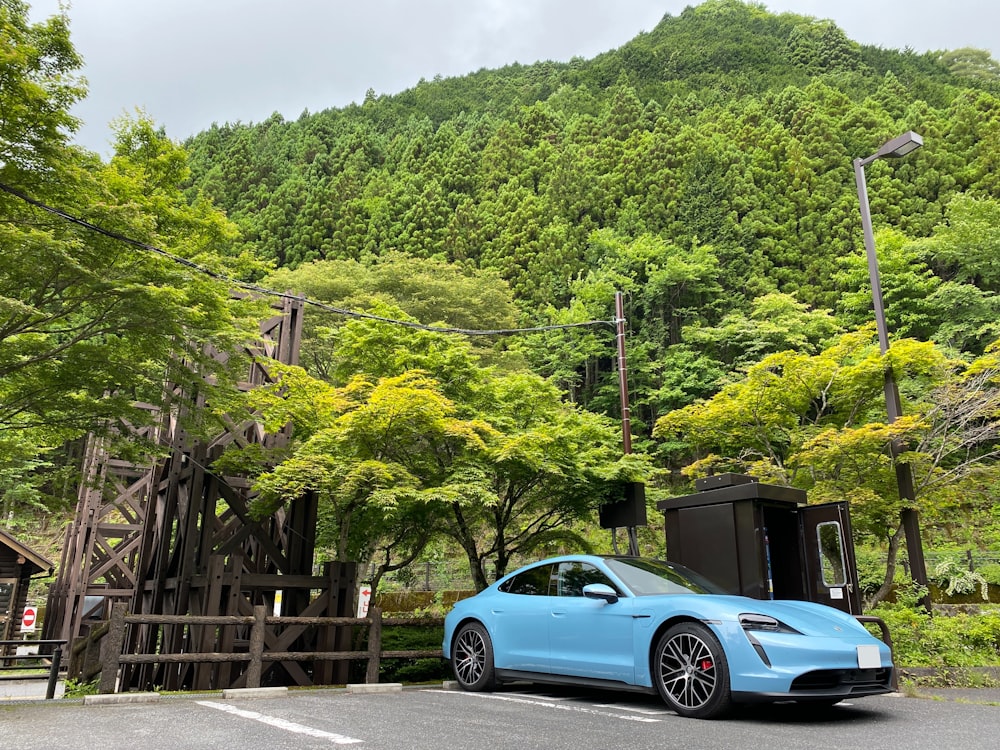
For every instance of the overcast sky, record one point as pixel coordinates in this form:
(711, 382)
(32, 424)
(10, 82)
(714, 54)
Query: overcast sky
(191, 63)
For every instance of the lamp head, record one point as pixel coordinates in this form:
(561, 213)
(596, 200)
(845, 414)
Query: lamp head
(898, 146)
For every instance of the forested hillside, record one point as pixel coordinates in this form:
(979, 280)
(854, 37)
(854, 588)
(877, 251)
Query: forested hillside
(703, 169)
(699, 168)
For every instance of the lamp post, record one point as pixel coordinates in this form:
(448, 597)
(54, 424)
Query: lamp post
(897, 147)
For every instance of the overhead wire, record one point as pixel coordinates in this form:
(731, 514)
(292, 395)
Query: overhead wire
(250, 287)
(257, 289)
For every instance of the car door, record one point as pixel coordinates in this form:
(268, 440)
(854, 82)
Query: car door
(589, 637)
(520, 614)
(828, 556)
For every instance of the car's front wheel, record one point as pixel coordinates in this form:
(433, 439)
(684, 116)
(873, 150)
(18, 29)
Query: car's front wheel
(472, 658)
(691, 671)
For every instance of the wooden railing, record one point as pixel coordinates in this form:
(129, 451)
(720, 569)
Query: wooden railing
(113, 635)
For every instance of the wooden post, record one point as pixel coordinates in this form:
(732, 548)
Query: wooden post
(78, 652)
(255, 670)
(374, 645)
(205, 639)
(111, 651)
(89, 662)
(230, 606)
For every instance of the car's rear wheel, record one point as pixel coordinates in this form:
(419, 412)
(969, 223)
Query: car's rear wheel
(472, 658)
(691, 671)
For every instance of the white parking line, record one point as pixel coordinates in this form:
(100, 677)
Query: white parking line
(645, 711)
(544, 696)
(547, 704)
(290, 726)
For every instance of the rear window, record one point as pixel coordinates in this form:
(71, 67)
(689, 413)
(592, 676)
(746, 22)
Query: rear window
(533, 582)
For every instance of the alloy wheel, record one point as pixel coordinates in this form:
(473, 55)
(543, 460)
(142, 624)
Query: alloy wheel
(688, 671)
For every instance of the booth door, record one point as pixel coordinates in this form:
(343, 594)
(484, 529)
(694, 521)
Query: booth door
(828, 550)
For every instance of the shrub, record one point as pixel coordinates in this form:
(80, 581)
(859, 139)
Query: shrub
(953, 575)
(77, 689)
(960, 640)
(991, 572)
(413, 638)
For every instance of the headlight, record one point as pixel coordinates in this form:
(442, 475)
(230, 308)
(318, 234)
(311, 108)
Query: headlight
(764, 623)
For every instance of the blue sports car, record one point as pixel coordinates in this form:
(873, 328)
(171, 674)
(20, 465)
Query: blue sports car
(653, 626)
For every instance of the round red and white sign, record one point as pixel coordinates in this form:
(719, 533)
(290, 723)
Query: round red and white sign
(28, 618)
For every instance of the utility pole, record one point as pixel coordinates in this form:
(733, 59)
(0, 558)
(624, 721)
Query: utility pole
(633, 540)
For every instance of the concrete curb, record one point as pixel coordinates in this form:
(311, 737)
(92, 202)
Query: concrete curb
(380, 687)
(263, 692)
(112, 698)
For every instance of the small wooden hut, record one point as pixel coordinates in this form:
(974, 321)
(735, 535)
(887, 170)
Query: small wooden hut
(18, 565)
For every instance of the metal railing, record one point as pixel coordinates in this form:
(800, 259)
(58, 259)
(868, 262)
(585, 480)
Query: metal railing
(52, 669)
(887, 639)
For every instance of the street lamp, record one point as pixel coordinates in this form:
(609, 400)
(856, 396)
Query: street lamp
(897, 147)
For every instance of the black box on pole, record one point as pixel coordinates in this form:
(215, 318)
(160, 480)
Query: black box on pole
(631, 511)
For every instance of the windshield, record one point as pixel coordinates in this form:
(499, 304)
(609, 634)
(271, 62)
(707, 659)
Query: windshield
(648, 577)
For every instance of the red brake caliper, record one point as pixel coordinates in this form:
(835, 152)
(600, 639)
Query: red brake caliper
(706, 665)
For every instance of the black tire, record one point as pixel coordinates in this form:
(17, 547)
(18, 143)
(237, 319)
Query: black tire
(472, 658)
(691, 672)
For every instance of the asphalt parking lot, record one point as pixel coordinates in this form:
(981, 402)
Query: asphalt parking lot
(432, 717)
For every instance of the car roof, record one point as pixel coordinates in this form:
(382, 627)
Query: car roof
(580, 557)
(585, 556)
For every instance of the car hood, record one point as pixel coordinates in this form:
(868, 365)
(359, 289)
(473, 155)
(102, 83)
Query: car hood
(808, 618)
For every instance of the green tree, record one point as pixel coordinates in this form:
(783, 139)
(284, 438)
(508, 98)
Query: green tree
(907, 287)
(817, 422)
(416, 438)
(421, 291)
(969, 62)
(431, 291)
(92, 327)
(40, 85)
(383, 457)
(665, 288)
(547, 467)
(92, 324)
(570, 357)
(776, 322)
(965, 247)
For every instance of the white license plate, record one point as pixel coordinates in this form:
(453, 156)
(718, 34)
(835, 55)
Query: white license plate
(869, 657)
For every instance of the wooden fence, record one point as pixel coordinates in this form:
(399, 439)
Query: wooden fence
(109, 639)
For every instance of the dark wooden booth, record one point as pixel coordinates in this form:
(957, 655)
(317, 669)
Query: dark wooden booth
(764, 541)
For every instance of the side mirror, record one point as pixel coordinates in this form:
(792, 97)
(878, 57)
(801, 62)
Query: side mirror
(600, 591)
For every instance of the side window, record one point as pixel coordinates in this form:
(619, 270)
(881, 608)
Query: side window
(533, 582)
(831, 553)
(571, 577)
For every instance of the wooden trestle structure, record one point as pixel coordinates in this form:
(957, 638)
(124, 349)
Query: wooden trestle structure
(174, 538)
